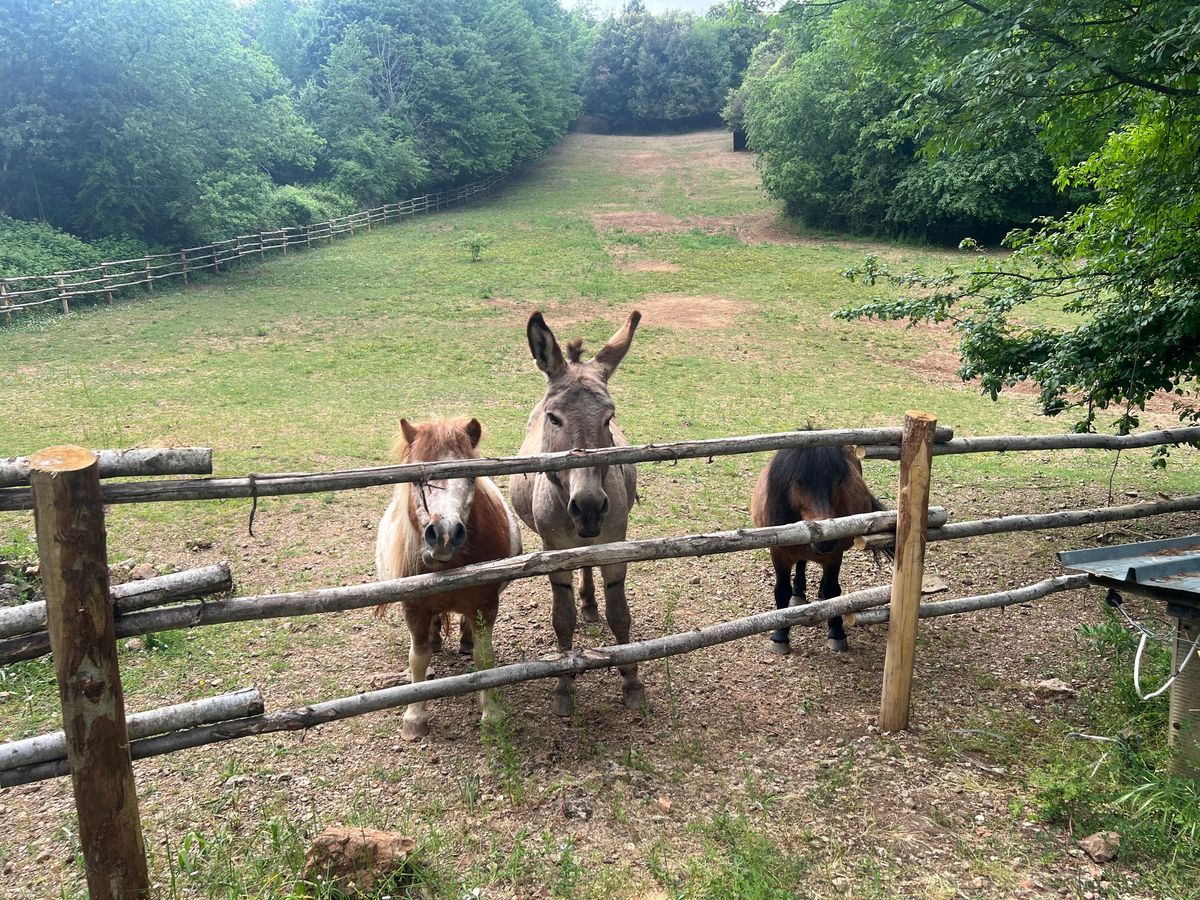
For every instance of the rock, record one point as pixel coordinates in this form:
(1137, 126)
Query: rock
(931, 584)
(127, 563)
(33, 570)
(199, 544)
(576, 804)
(664, 804)
(6, 696)
(381, 680)
(135, 645)
(142, 572)
(356, 861)
(1053, 689)
(1102, 847)
(10, 595)
(236, 780)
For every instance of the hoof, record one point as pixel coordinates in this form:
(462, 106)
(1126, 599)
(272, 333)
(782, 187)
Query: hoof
(435, 643)
(564, 704)
(838, 645)
(589, 614)
(797, 601)
(414, 729)
(780, 647)
(466, 649)
(634, 695)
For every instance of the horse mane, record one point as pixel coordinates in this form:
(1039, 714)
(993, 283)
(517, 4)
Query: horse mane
(575, 350)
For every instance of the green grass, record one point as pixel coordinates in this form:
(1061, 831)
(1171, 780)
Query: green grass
(308, 361)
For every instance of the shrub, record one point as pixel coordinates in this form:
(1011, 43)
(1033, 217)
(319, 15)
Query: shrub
(35, 248)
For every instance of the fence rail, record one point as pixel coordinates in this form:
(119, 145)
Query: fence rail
(21, 293)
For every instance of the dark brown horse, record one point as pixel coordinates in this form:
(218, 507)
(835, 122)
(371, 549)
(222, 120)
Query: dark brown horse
(803, 485)
(438, 525)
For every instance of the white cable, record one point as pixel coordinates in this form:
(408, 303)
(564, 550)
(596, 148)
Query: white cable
(1137, 667)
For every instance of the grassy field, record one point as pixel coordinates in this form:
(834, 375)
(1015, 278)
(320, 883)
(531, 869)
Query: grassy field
(750, 775)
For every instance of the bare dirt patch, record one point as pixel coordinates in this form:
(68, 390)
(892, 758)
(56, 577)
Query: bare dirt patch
(642, 221)
(690, 312)
(647, 265)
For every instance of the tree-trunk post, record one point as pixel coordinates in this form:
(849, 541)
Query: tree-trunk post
(69, 519)
(216, 260)
(262, 249)
(183, 261)
(149, 278)
(912, 505)
(107, 280)
(5, 303)
(1185, 697)
(62, 296)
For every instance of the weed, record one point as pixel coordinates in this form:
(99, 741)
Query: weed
(475, 243)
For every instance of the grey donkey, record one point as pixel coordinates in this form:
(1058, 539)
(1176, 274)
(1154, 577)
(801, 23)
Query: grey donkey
(578, 507)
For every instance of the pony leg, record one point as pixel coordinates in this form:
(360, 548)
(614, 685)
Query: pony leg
(587, 597)
(436, 624)
(467, 637)
(616, 608)
(485, 657)
(781, 638)
(830, 588)
(562, 584)
(415, 724)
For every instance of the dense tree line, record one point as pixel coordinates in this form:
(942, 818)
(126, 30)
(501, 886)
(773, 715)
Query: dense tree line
(650, 72)
(841, 144)
(176, 122)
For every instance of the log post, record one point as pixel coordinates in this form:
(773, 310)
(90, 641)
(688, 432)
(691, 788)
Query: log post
(107, 284)
(149, 278)
(262, 249)
(5, 303)
(216, 260)
(916, 454)
(69, 519)
(1184, 725)
(183, 260)
(62, 296)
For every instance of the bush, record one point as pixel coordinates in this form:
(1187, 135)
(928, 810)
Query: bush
(292, 205)
(35, 248)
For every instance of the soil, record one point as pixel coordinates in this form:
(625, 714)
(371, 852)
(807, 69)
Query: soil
(675, 311)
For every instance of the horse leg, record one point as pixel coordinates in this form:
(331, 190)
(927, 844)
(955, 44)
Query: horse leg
(485, 658)
(562, 584)
(781, 638)
(587, 597)
(435, 633)
(415, 724)
(830, 588)
(467, 636)
(616, 609)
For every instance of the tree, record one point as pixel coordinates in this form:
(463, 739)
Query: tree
(1114, 91)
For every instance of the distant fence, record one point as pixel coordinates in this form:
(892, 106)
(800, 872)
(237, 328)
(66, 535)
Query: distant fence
(20, 293)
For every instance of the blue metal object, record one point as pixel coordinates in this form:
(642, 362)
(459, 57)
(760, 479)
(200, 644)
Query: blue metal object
(1169, 569)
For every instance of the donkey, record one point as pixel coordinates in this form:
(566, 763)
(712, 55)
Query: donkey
(578, 507)
(437, 525)
(802, 485)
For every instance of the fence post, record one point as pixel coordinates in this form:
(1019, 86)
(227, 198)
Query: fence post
(149, 278)
(262, 250)
(62, 296)
(5, 303)
(916, 455)
(107, 284)
(184, 260)
(69, 519)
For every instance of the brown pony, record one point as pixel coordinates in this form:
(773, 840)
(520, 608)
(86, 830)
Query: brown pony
(437, 525)
(803, 485)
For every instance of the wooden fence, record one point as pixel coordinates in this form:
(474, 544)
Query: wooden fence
(21, 293)
(67, 498)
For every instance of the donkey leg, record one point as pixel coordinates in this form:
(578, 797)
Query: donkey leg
(781, 638)
(415, 724)
(485, 658)
(616, 609)
(830, 588)
(587, 597)
(562, 584)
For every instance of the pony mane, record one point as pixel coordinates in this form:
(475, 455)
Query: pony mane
(575, 350)
(439, 438)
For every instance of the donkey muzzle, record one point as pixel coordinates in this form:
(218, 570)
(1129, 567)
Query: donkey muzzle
(588, 514)
(444, 538)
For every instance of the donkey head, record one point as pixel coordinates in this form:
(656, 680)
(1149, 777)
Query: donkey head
(577, 412)
(439, 510)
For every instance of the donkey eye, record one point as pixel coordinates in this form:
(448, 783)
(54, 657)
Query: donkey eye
(554, 420)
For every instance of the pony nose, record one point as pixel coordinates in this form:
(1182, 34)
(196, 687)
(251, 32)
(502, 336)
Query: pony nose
(444, 538)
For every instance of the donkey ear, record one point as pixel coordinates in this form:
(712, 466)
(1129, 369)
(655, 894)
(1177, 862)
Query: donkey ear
(474, 431)
(408, 430)
(544, 346)
(614, 351)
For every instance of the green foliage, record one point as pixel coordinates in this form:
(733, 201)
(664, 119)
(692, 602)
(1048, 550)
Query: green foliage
(650, 72)
(840, 147)
(34, 248)
(293, 205)
(475, 243)
(1115, 96)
